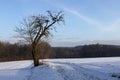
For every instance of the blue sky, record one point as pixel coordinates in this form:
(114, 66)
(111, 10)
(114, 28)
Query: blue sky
(86, 21)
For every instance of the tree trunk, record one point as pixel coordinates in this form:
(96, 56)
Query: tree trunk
(35, 56)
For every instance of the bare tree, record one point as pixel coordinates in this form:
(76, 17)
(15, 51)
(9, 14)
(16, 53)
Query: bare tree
(35, 28)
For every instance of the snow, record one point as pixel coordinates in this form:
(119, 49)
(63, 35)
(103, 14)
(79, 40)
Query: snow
(45, 73)
(63, 69)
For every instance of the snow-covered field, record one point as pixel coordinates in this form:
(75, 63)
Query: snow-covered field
(63, 69)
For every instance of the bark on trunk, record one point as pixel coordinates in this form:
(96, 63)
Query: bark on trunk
(35, 56)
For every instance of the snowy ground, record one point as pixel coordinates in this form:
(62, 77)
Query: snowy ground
(63, 69)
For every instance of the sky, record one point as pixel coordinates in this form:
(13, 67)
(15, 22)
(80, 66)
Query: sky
(86, 21)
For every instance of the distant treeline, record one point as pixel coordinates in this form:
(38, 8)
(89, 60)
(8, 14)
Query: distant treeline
(10, 52)
(88, 51)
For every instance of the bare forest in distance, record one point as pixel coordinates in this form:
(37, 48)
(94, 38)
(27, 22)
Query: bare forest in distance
(12, 52)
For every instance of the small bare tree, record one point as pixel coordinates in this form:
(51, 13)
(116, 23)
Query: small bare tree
(34, 28)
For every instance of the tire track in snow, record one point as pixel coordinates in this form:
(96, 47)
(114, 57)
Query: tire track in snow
(67, 74)
(72, 72)
(86, 73)
(93, 74)
(108, 69)
(31, 73)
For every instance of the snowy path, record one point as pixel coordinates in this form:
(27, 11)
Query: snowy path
(62, 69)
(88, 71)
(75, 72)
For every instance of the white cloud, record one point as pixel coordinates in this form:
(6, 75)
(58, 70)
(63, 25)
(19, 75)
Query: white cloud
(111, 27)
(83, 17)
